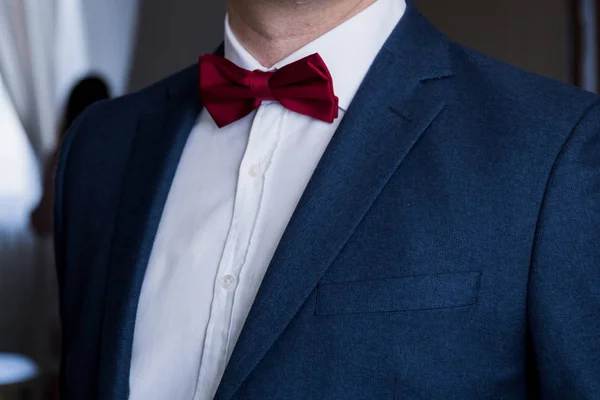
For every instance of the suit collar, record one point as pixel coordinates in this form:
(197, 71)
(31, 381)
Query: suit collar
(421, 51)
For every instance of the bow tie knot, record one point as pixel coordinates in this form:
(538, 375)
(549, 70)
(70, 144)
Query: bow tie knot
(229, 92)
(259, 85)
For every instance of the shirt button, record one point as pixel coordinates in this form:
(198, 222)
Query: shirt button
(254, 170)
(228, 282)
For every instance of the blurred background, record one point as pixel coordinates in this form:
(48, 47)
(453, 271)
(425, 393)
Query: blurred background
(59, 56)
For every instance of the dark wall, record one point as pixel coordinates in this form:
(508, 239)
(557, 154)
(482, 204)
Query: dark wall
(532, 34)
(172, 34)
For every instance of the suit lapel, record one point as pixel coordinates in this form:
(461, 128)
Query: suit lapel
(395, 104)
(156, 150)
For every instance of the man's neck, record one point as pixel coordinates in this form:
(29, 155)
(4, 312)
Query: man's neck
(271, 30)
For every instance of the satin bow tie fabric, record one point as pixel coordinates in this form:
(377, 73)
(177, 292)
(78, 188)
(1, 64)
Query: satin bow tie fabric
(229, 92)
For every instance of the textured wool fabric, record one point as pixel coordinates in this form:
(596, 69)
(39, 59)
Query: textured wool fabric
(446, 246)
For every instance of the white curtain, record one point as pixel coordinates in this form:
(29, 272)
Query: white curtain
(46, 46)
(27, 129)
(18, 192)
(94, 37)
(26, 65)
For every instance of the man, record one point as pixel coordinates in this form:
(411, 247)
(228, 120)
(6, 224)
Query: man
(341, 204)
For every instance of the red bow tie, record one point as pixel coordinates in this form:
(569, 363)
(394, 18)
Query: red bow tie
(230, 93)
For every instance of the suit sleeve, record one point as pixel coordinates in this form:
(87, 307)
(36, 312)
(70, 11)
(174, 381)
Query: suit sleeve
(564, 284)
(59, 200)
(60, 230)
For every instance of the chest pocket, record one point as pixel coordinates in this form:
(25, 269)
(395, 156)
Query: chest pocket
(423, 292)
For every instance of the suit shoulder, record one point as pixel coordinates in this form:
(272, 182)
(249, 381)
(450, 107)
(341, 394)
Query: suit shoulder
(110, 125)
(101, 140)
(131, 106)
(510, 89)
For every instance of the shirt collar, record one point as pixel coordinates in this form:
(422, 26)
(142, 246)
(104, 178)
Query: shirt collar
(348, 50)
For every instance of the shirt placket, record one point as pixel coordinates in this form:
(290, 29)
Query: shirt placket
(248, 197)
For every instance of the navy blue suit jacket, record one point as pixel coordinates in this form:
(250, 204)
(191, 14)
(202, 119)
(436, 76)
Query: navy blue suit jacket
(446, 247)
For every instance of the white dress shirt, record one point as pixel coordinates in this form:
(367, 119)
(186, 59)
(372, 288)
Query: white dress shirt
(232, 197)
